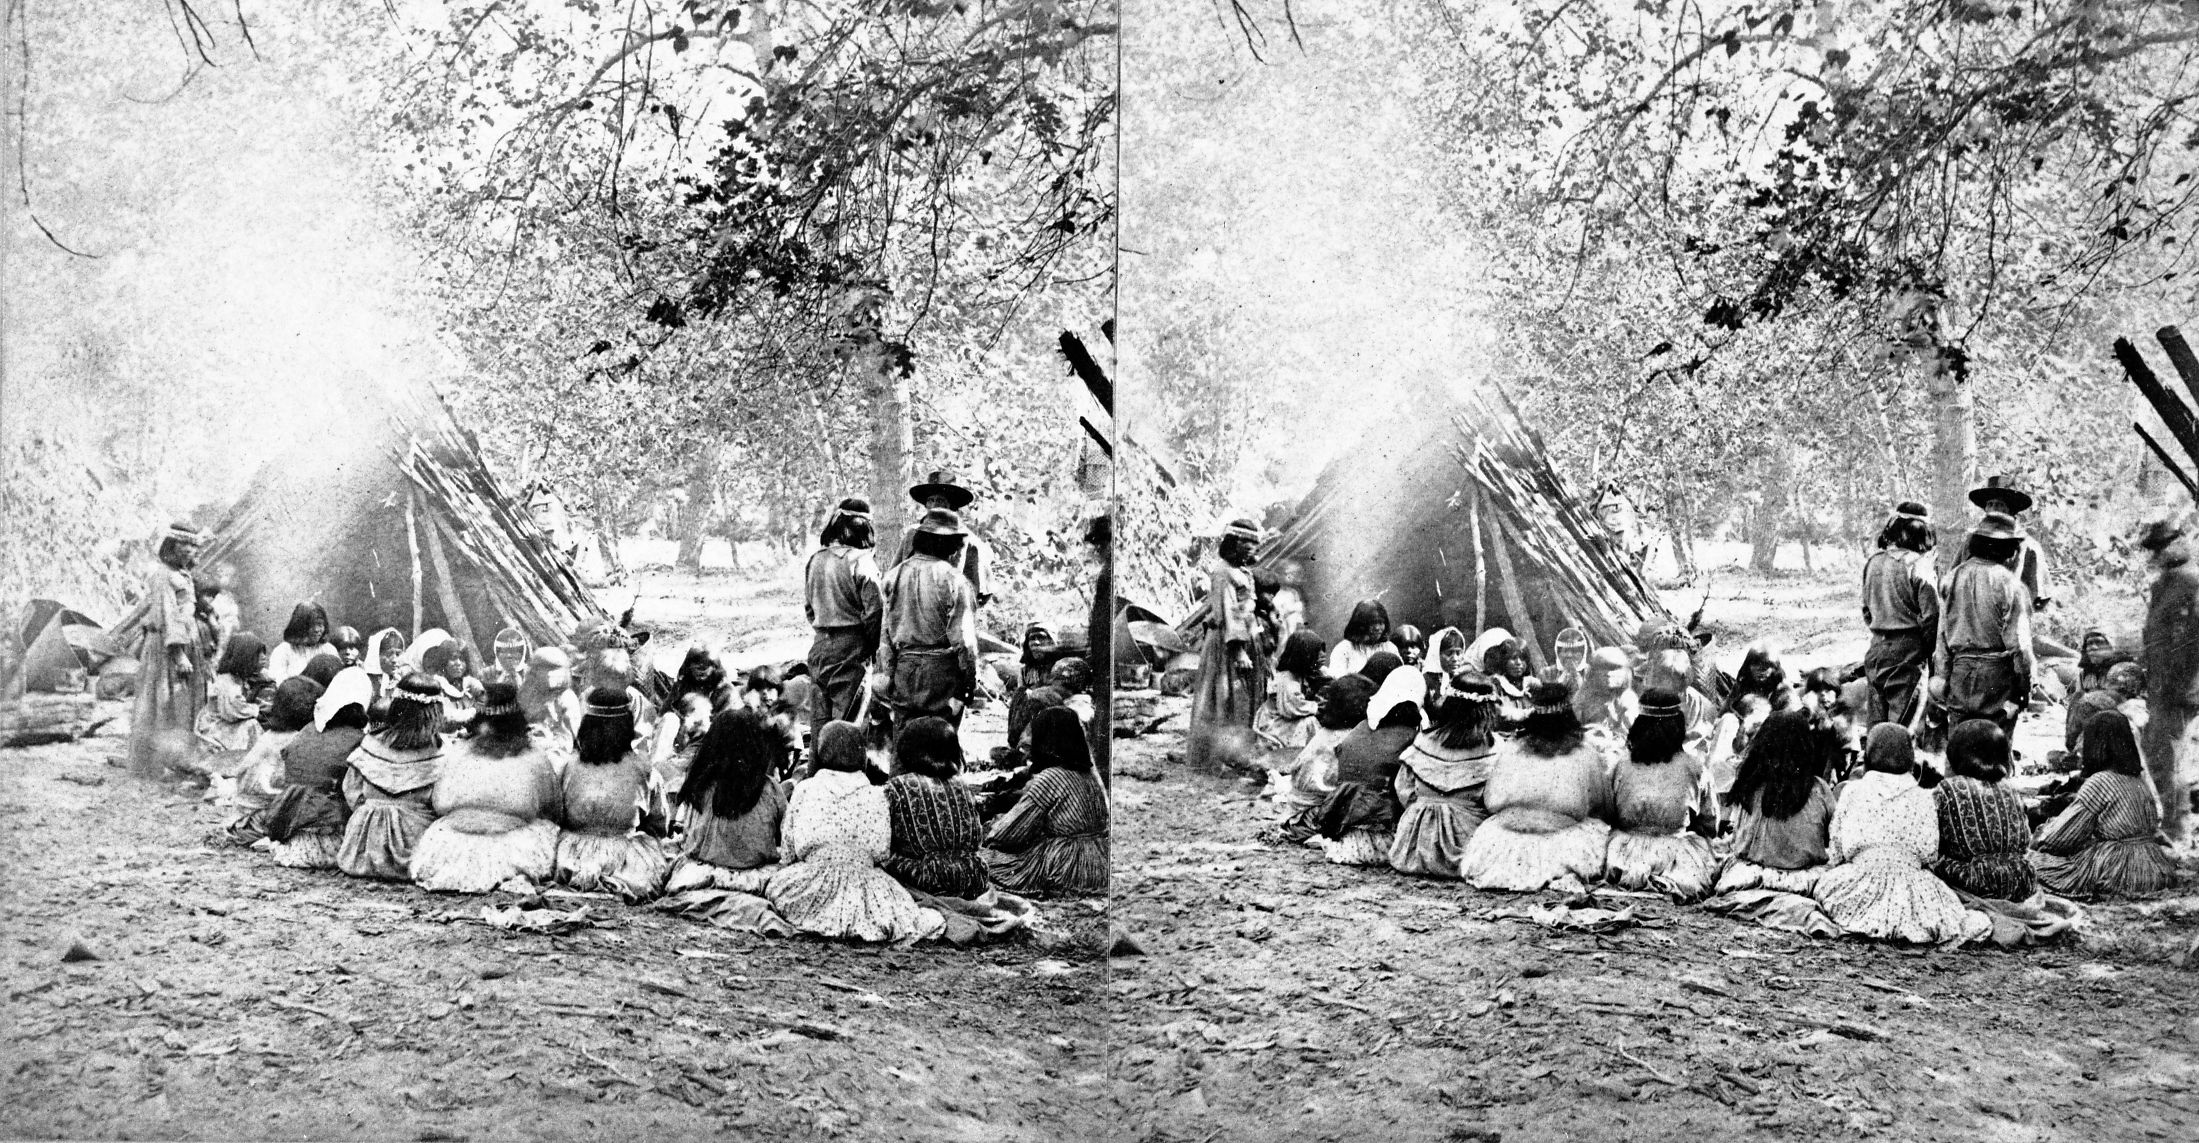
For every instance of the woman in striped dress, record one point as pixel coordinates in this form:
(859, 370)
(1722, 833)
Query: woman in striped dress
(2104, 844)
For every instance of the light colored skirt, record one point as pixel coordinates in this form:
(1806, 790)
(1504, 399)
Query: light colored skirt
(1510, 852)
(632, 866)
(841, 894)
(1739, 875)
(1361, 847)
(308, 851)
(378, 839)
(448, 861)
(1887, 895)
(1679, 865)
(1432, 833)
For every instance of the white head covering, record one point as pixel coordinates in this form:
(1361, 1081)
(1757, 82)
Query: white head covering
(373, 660)
(431, 638)
(350, 686)
(1433, 662)
(1477, 650)
(1403, 685)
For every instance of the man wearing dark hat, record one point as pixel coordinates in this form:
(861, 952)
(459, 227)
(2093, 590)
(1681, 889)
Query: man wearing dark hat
(939, 490)
(1985, 654)
(1901, 607)
(845, 606)
(2171, 660)
(2000, 494)
(928, 655)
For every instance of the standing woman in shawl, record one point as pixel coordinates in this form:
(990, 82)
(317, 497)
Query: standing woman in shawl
(391, 784)
(1655, 794)
(837, 831)
(1054, 842)
(1885, 835)
(2105, 843)
(1367, 631)
(1360, 819)
(609, 793)
(305, 821)
(171, 676)
(496, 805)
(305, 636)
(841, 599)
(1232, 681)
(1441, 778)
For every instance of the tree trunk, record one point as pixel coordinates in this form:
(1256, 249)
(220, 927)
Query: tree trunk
(1771, 503)
(1954, 462)
(891, 442)
(1680, 525)
(695, 514)
(604, 519)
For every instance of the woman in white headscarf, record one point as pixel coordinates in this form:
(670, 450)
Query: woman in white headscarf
(385, 661)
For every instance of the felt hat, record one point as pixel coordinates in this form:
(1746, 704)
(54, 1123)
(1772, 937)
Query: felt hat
(941, 522)
(1998, 526)
(942, 482)
(2001, 488)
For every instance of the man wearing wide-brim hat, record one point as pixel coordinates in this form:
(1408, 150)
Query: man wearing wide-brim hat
(2171, 661)
(2000, 494)
(927, 657)
(1984, 653)
(942, 489)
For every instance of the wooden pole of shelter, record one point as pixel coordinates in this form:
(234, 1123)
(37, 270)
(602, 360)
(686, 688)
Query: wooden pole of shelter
(446, 589)
(412, 543)
(1515, 600)
(2180, 356)
(2167, 461)
(1481, 558)
(2174, 413)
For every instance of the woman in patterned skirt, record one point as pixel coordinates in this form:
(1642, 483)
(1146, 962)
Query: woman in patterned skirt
(1441, 778)
(391, 784)
(305, 822)
(1548, 794)
(1054, 842)
(838, 831)
(1232, 680)
(1885, 834)
(935, 824)
(1983, 831)
(2104, 844)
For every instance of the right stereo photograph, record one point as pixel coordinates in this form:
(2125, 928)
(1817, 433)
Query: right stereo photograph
(1653, 576)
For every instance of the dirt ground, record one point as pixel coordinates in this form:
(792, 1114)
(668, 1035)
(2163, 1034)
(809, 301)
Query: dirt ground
(235, 999)
(1287, 998)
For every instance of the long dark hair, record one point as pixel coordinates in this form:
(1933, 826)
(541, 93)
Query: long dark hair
(1999, 551)
(739, 753)
(700, 674)
(1410, 638)
(935, 545)
(415, 719)
(1745, 682)
(1364, 615)
(1379, 665)
(1907, 532)
(292, 707)
(1237, 551)
(1303, 657)
(1549, 733)
(1978, 749)
(1057, 739)
(853, 531)
(241, 658)
(2111, 746)
(1344, 702)
(1463, 724)
(1659, 731)
(304, 618)
(605, 737)
(930, 747)
(500, 724)
(1791, 752)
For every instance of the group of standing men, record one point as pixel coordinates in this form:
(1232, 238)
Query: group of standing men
(1965, 641)
(915, 622)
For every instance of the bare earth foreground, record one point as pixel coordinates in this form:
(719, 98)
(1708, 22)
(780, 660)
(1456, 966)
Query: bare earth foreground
(235, 999)
(1287, 998)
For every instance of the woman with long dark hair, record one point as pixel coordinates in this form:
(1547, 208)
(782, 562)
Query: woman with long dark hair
(1054, 843)
(1984, 833)
(259, 773)
(305, 636)
(1884, 837)
(229, 722)
(2104, 844)
(1284, 722)
(1548, 792)
(1782, 804)
(731, 804)
(936, 830)
(1656, 792)
(391, 784)
(1312, 774)
(496, 805)
(1366, 632)
(609, 794)
(1232, 674)
(1441, 778)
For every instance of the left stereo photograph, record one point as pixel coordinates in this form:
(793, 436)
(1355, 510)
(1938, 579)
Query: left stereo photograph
(555, 569)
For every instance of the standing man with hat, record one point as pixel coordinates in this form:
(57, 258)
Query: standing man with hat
(2001, 495)
(939, 490)
(1901, 607)
(928, 653)
(844, 604)
(2171, 661)
(1984, 657)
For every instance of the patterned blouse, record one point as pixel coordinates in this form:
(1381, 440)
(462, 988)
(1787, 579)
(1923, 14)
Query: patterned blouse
(1983, 835)
(936, 832)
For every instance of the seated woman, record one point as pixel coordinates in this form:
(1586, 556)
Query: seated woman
(729, 809)
(838, 829)
(609, 793)
(1605, 701)
(1411, 645)
(385, 660)
(1656, 793)
(305, 636)
(390, 786)
(1730, 739)
(1446, 662)
(546, 697)
(1284, 722)
(1366, 632)
(495, 804)
(447, 662)
(1054, 842)
(1782, 806)
(1885, 834)
(1360, 819)
(351, 647)
(260, 777)
(229, 722)
(678, 737)
(1984, 835)
(304, 822)
(1547, 795)
(2104, 843)
(1440, 781)
(1310, 778)
(935, 826)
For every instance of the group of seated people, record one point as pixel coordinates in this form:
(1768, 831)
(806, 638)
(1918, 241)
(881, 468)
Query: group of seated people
(604, 779)
(1432, 765)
